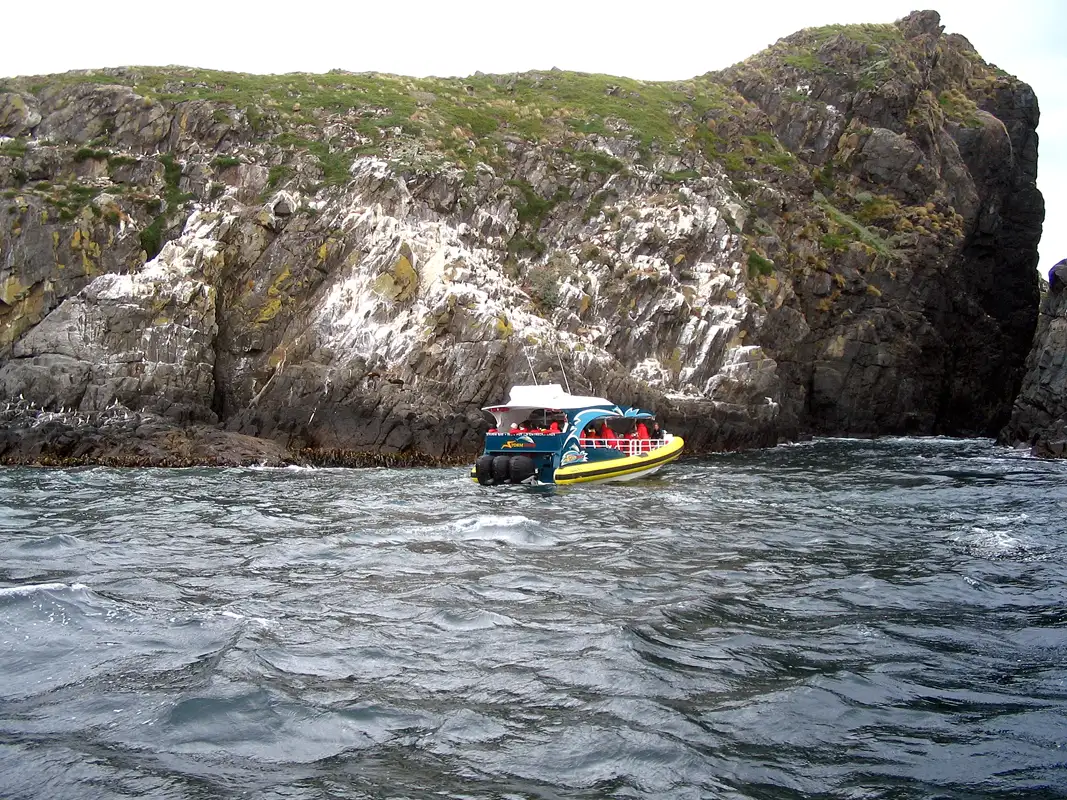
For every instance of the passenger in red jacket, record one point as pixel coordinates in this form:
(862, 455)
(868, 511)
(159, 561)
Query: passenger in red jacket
(642, 431)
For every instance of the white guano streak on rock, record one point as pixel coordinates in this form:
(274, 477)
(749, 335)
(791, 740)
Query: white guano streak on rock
(355, 321)
(459, 270)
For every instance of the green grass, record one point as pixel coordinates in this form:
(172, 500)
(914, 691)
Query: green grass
(758, 265)
(876, 207)
(681, 176)
(806, 61)
(544, 287)
(813, 51)
(14, 148)
(873, 34)
(959, 108)
(850, 228)
(80, 194)
(335, 164)
(432, 123)
(596, 204)
(87, 153)
(152, 235)
(450, 115)
(523, 244)
(596, 161)
(461, 121)
(835, 242)
(277, 175)
(533, 208)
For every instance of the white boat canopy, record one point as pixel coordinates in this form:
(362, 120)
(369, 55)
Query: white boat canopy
(548, 396)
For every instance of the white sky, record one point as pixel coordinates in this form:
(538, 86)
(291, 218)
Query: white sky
(668, 39)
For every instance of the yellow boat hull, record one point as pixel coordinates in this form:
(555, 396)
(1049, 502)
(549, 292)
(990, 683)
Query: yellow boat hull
(621, 469)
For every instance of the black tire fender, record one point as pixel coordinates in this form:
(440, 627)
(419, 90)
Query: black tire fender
(522, 468)
(483, 469)
(501, 471)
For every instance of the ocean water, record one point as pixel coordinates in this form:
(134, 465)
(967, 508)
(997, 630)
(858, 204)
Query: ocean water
(838, 619)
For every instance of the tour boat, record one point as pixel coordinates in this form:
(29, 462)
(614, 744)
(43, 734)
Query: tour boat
(546, 435)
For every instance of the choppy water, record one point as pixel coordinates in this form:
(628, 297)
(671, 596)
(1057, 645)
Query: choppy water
(840, 619)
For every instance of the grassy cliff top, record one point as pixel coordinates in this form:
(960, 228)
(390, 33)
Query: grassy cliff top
(471, 120)
(536, 106)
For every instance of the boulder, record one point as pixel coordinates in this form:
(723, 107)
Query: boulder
(19, 114)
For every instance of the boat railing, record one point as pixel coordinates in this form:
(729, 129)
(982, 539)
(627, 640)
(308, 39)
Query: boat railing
(630, 447)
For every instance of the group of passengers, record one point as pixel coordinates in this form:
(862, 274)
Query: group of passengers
(598, 429)
(601, 430)
(550, 425)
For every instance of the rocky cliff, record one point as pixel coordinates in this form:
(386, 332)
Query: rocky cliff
(1039, 417)
(837, 236)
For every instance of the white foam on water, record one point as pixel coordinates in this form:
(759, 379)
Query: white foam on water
(34, 588)
(262, 622)
(493, 523)
(470, 620)
(516, 529)
(1000, 544)
(1009, 519)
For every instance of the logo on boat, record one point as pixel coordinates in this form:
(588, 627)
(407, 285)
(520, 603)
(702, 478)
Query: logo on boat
(572, 457)
(521, 441)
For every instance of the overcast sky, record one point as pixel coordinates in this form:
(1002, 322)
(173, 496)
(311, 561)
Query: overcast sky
(668, 39)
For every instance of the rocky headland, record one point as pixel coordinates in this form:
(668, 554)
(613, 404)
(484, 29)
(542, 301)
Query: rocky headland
(1039, 417)
(836, 236)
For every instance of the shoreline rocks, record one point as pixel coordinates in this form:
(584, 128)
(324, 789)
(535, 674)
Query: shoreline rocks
(119, 437)
(1039, 416)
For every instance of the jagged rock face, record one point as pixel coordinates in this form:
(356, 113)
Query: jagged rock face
(143, 340)
(387, 318)
(811, 241)
(1039, 417)
(910, 135)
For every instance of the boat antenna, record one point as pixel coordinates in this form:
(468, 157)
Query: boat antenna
(533, 374)
(566, 382)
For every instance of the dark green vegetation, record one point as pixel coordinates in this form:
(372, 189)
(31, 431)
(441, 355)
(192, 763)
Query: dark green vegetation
(173, 198)
(462, 121)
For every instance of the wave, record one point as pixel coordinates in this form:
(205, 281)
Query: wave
(36, 588)
(1000, 545)
(514, 529)
(56, 541)
(470, 620)
(489, 523)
